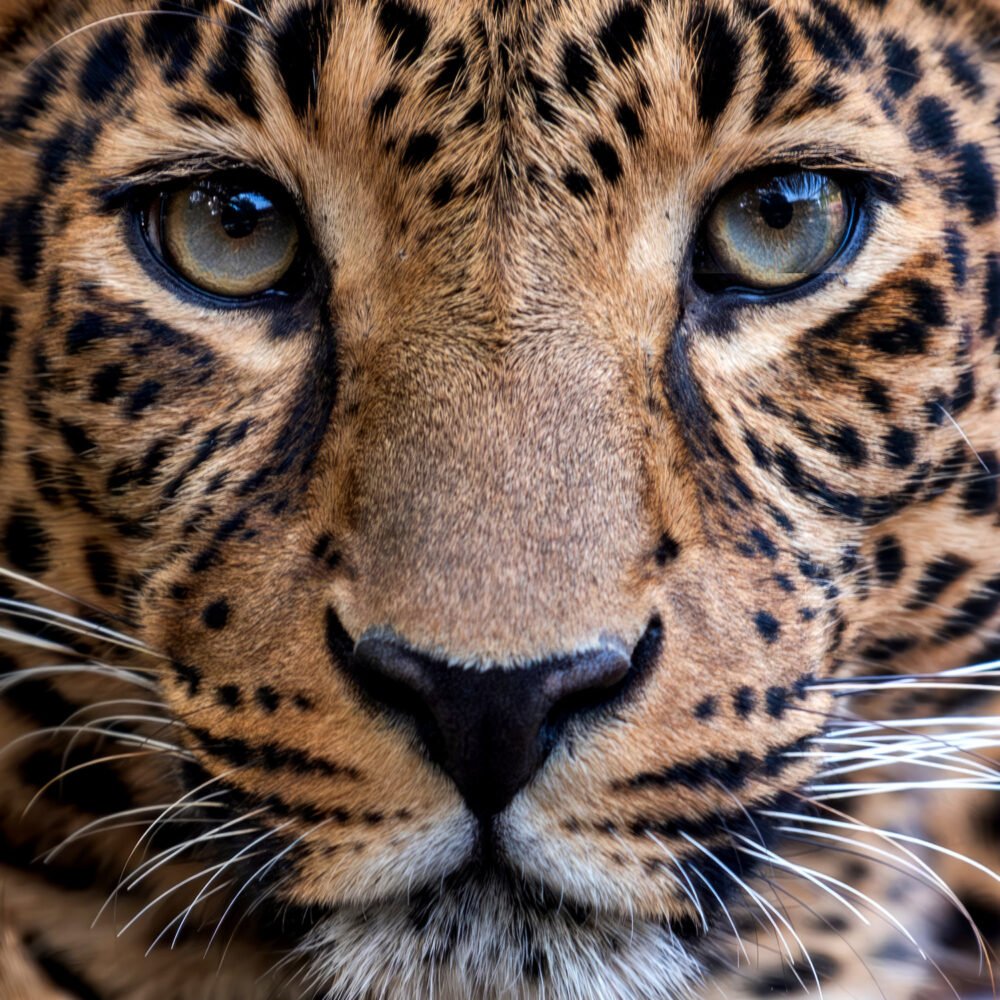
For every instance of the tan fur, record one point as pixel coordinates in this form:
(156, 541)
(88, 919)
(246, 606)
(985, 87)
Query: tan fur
(493, 406)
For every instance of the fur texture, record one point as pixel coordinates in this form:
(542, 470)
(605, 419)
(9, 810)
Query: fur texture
(503, 423)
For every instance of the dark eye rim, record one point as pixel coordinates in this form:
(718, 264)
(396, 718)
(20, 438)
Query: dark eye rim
(721, 286)
(144, 201)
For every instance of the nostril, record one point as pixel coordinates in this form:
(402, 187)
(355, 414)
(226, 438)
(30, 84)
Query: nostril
(393, 675)
(586, 683)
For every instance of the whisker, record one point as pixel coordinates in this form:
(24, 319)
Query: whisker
(181, 804)
(820, 918)
(767, 909)
(34, 612)
(965, 438)
(165, 857)
(991, 667)
(29, 581)
(222, 832)
(93, 669)
(80, 767)
(129, 739)
(169, 892)
(802, 871)
(266, 835)
(690, 890)
(27, 639)
(98, 825)
(166, 929)
(82, 712)
(741, 947)
(261, 873)
(894, 835)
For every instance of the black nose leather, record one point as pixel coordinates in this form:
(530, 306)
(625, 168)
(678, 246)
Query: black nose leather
(490, 729)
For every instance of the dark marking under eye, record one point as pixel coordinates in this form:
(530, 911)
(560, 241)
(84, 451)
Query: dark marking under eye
(917, 308)
(717, 52)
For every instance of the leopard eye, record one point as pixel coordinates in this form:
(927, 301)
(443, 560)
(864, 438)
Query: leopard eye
(234, 237)
(774, 231)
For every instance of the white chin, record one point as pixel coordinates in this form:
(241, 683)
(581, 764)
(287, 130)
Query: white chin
(477, 942)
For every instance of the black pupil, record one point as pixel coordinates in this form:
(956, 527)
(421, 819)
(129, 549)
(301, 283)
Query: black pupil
(241, 214)
(776, 209)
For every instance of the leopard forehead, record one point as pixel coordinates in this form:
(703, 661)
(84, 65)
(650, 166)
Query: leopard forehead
(501, 436)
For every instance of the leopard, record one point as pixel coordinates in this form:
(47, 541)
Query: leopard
(500, 499)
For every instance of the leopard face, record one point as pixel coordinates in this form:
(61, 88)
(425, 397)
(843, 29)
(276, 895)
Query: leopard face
(492, 542)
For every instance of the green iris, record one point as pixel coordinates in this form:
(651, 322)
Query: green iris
(227, 237)
(775, 231)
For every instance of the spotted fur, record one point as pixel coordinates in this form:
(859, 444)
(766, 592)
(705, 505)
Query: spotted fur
(502, 424)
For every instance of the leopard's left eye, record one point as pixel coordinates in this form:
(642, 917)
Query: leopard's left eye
(773, 231)
(235, 237)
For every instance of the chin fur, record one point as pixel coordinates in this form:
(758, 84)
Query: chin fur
(481, 941)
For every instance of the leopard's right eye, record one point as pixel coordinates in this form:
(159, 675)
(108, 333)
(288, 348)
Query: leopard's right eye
(235, 237)
(773, 231)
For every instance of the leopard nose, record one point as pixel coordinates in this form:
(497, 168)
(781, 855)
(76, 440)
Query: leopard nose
(489, 728)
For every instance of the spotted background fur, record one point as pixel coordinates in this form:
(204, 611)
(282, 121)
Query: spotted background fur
(504, 424)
